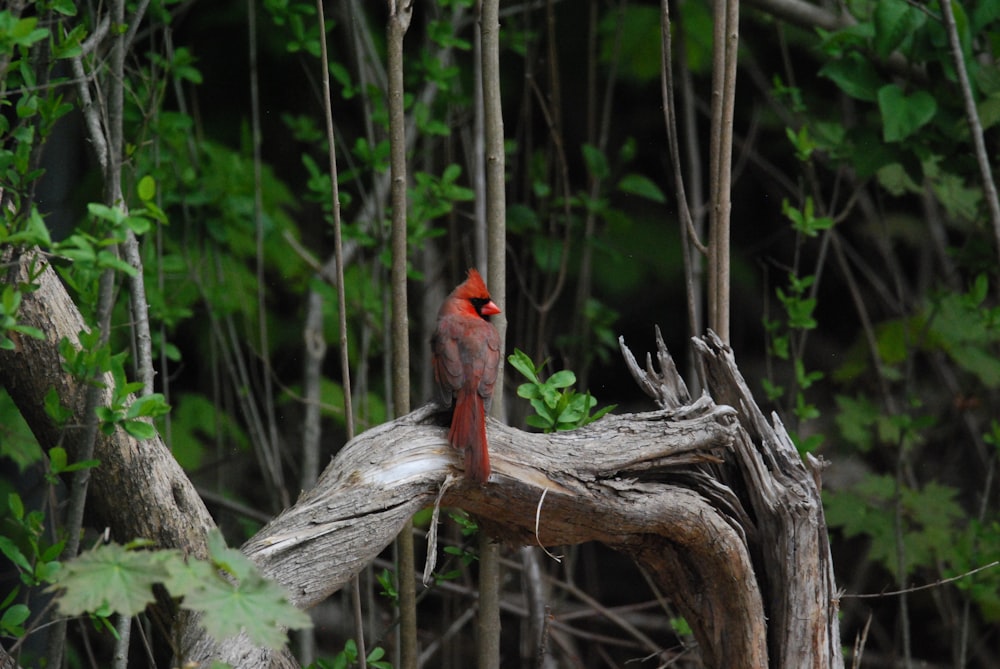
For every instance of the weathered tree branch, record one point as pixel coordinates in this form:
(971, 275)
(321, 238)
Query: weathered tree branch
(626, 481)
(783, 493)
(711, 499)
(138, 490)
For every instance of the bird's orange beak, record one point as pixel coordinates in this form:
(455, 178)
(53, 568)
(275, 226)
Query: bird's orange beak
(490, 308)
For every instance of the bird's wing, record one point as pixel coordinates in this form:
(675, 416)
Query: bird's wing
(449, 368)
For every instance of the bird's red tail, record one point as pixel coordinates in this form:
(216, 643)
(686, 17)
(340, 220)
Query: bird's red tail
(468, 434)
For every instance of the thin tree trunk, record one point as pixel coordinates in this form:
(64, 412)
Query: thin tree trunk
(488, 639)
(400, 12)
(725, 43)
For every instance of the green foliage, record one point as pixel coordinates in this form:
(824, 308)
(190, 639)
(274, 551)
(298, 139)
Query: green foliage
(14, 615)
(805, 221)
(967, 329)
(197, 425)
(226, 589)
(127, 413)
(28, 548)
(348, 657)
(466, 523)
(977, 544)
(556, 405)
(89, 363)
(234, 597)
(25, 545)
(463, 554)
(681, 627)
(916, 115)
(933, 529)
(10, 302)
(638, 27)
(798, 306)
(931, 521)
(299, 19)
(387, 580)
(111, 579)
(59, 464)
(17, 443)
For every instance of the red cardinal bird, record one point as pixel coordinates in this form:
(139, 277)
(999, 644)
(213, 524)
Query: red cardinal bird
(466, 358)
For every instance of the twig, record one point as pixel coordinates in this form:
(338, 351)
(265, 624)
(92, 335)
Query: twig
(338, 246)
(670, 120)
(270, 444)
(538, 517)
(926, 586)
(432, 532)
(859, 643)
(972, 117)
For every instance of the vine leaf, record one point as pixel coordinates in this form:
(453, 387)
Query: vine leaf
(903, 115)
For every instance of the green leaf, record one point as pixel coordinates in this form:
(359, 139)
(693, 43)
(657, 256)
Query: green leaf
(597, 163)
(639, 28)
(146, 188)
(46, 571)
(855, 75)
(545, 412)
(64, 7)
(856, 419)
(637, 184)
(13, 617)
(603, 411)
(539, 422)
(54, 408)
(528, 391)
(681, 627)
(569, 417)
(152, 405)
(16, 505)
(109, 577)
(109, 260)
(113, 215)
(57, 459)
(894, 21)
(521, 219)
(139, 429)
(388, 583)
(520, 361)
(14, 554)
(903, 115)
(547, 253)
(248, 604)
(979, 361)
(562, 379)
(23, 33)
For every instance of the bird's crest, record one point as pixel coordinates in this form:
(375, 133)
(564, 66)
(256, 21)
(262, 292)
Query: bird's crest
(474, 287)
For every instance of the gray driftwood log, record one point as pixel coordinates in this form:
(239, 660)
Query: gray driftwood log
(707, 495)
